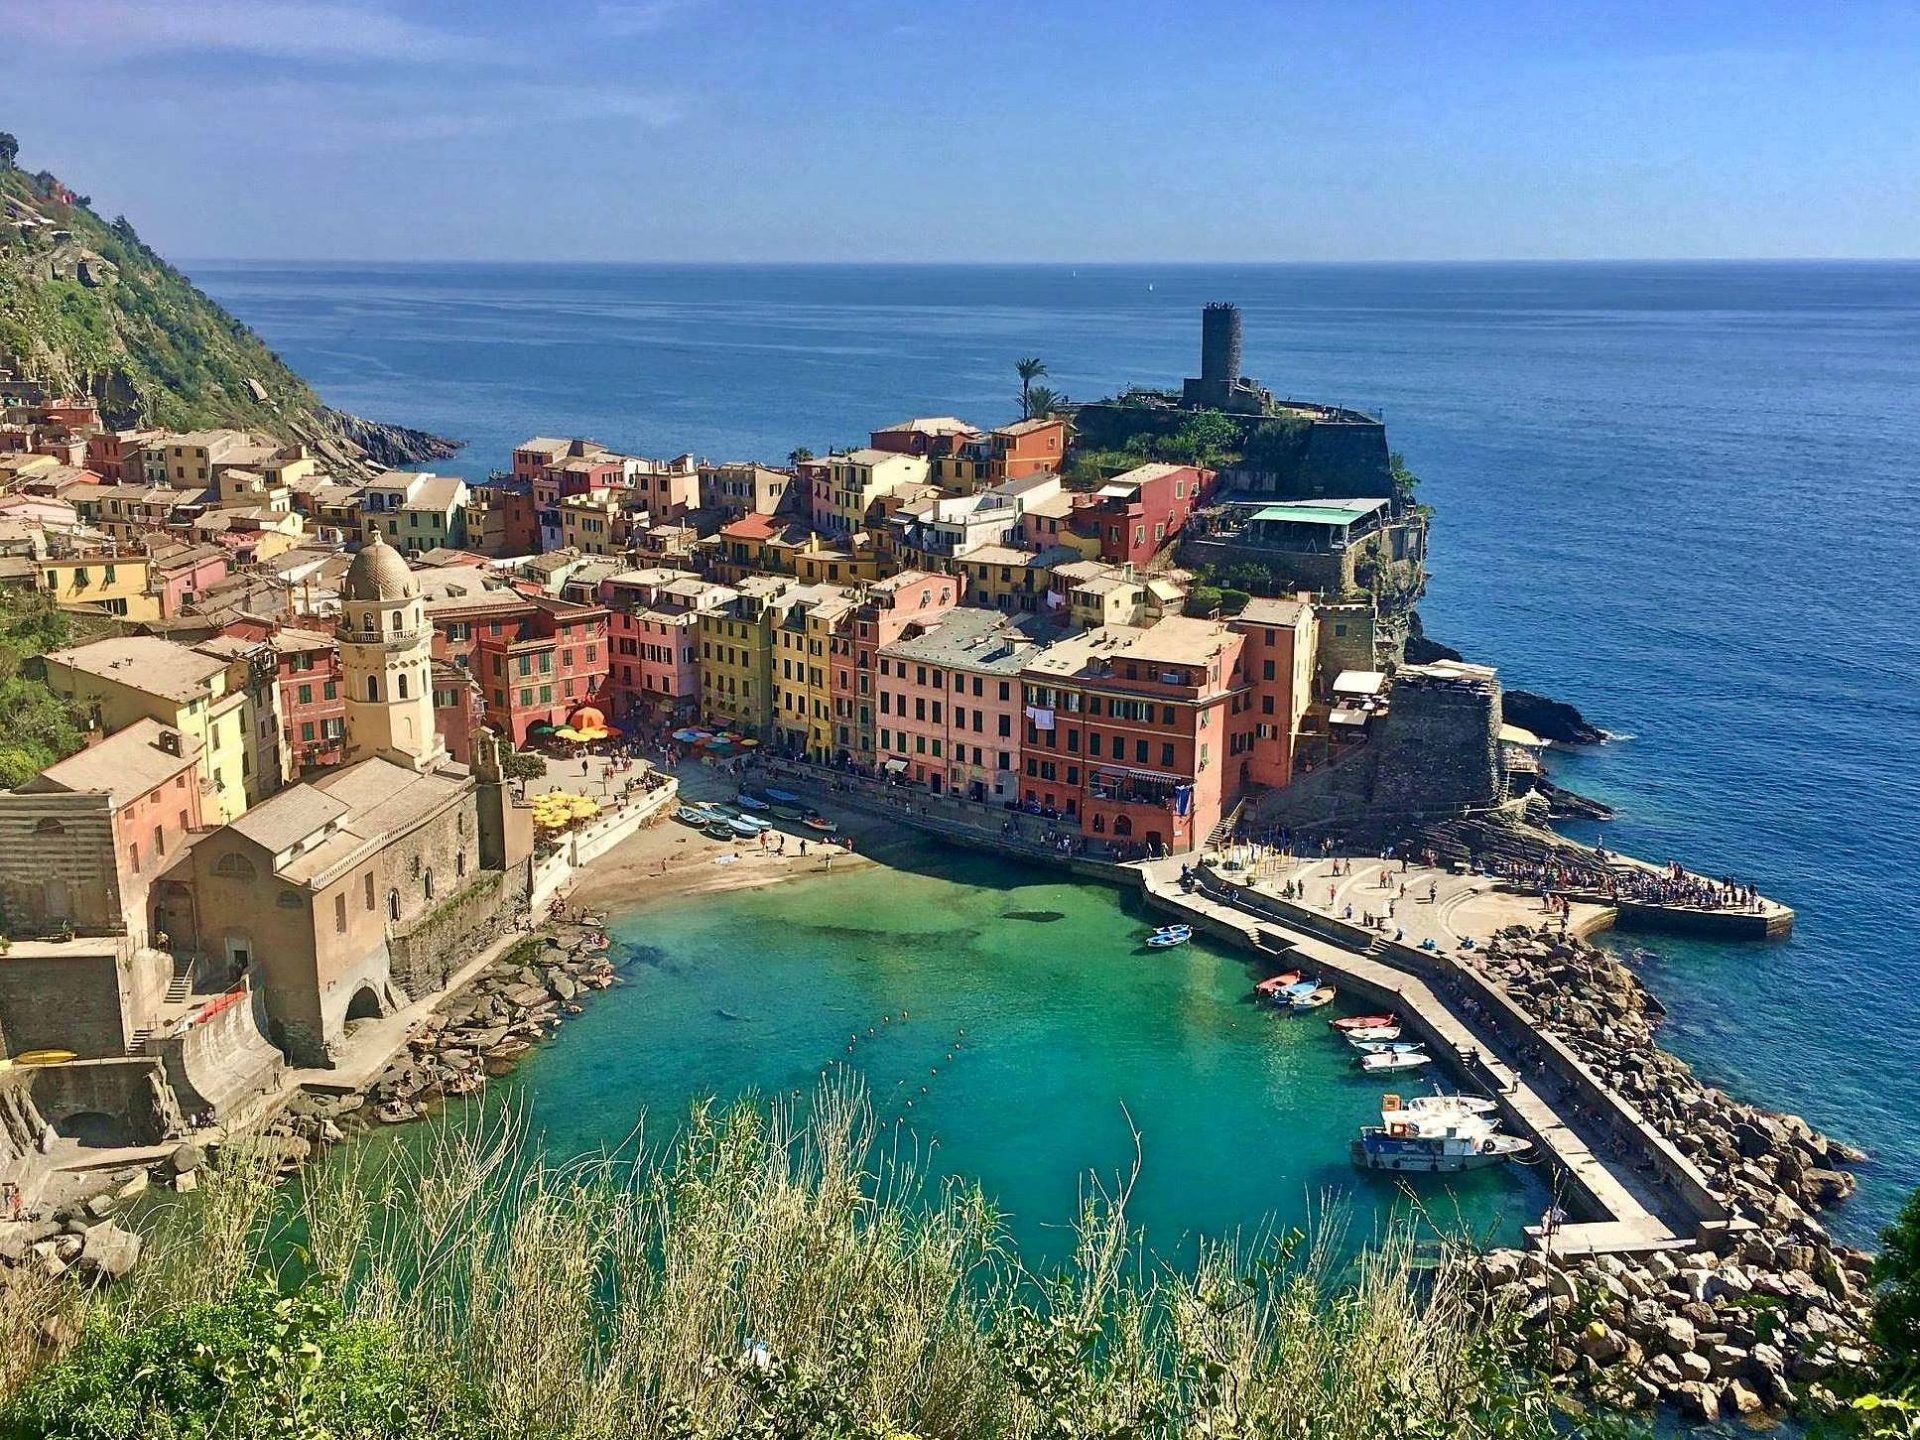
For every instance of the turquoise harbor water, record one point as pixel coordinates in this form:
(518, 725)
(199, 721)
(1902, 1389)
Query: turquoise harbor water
(1010, 1028)
(1678, 495)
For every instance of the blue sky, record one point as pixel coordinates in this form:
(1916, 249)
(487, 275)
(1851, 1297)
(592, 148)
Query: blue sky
(1042, 130)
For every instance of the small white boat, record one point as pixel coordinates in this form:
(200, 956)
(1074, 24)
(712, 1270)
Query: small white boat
(1371, 1033)
(1439, 1106)
(1434, 1141)
(1313, 1000)
(1391, 1061)
(1168, 936)
(1387, 1047)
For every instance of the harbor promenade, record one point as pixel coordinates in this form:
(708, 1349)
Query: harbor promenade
(1623, 1208)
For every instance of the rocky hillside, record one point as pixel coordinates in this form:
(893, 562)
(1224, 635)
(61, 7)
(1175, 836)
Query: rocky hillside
(87, 307)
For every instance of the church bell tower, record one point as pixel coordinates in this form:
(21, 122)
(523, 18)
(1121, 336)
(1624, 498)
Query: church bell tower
(386, 660)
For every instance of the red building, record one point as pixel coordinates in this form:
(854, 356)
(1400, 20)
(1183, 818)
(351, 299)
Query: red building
(313, 702)
(1137, 736)
(1134, 515)
(541, 664)
(459, 709)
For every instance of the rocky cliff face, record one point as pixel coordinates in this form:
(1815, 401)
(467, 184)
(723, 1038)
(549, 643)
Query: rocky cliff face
(87, 308)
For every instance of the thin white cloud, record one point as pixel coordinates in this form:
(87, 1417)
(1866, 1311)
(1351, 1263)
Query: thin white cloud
(317, 30)
(314, 115)
(642, 17)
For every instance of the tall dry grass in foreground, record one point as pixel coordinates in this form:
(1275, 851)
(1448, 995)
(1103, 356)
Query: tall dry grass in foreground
(773, 1276)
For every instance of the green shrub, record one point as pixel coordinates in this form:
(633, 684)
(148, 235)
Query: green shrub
(255, 1364)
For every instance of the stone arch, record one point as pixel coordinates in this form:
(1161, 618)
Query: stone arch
(373, 687)
(365, 1005)
(1123, 825)
(401, 681)
(49, 826)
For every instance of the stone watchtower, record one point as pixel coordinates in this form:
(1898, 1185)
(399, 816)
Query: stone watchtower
(1220, 385)
(386, 662)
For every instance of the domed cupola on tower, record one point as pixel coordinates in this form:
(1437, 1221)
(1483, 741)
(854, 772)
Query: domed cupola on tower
(386, 662)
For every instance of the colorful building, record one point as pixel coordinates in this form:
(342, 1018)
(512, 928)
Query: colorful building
(540, 666)
(134, 677)
(313, 707)
(856, 480)
(1282, 641)
(949, 703)
(654, 625)
(811, 629)
(736, 656)
(888, 609)
(1135, 515)
(1135, 735)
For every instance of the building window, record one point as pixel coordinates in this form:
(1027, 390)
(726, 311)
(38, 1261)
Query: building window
(340, 913)
(393, 905)
(368, 879)
(426, 884)
(235, 867)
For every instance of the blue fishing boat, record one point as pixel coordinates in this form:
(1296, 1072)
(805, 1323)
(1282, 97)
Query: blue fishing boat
(752, 802)
(781, 797)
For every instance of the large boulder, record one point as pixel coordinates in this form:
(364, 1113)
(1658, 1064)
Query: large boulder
(109, 1252)
(1676, 1335)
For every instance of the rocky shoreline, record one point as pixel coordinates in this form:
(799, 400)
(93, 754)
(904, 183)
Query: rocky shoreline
(478, 1032)
(1772, 1322)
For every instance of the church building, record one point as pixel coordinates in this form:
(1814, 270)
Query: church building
(357, 890)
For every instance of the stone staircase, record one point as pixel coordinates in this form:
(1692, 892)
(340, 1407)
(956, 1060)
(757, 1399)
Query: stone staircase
(138, 1044)
(181, 986)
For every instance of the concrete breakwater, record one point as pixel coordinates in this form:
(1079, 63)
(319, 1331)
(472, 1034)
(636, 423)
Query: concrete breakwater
(1765, 1313)
(1697, 1274)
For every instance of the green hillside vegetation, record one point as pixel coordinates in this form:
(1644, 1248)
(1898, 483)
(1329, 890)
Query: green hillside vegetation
(36, 726)
(87, 307)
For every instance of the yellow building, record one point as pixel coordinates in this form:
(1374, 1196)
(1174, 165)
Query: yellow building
(814, 619)
(118, 582)
(999, 577)
(188, 459)
(595, 523)
(855, 481)
(736, 653)
(123, 679)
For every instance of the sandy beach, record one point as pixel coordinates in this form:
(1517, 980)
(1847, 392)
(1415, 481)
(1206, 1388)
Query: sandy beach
(670, 861)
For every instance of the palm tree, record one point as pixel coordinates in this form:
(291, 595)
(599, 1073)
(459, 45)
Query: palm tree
(1042, 401)
(1029, 370)
(799, 456)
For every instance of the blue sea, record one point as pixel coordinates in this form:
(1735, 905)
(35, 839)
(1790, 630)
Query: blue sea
(1677, 495)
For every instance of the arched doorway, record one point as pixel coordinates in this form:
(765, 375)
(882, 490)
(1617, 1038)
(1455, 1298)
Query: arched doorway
(1123, 825)
(365, 1005)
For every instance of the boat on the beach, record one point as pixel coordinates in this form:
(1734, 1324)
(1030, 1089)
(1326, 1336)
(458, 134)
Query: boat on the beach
(1387, 1047)
(814, 820)
(1274, 984)
(1313, 999)
(1390, 1061)
(1371, 1032)
(745, 827)
(780, 797)
(1363, 1022)
(748, 801)
(698, 816)
(1445, 1141)
(1168, 936)
(721, 828)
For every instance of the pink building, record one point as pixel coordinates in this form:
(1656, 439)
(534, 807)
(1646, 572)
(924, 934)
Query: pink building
(887, 610)
(183, 573)
(653, 628)
(949, 703)
(669, 490)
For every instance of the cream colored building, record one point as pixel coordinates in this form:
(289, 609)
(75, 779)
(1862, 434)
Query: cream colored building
(856, 480)
(122, 680)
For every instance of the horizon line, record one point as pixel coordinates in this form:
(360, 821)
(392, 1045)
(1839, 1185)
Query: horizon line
(1056, 264)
